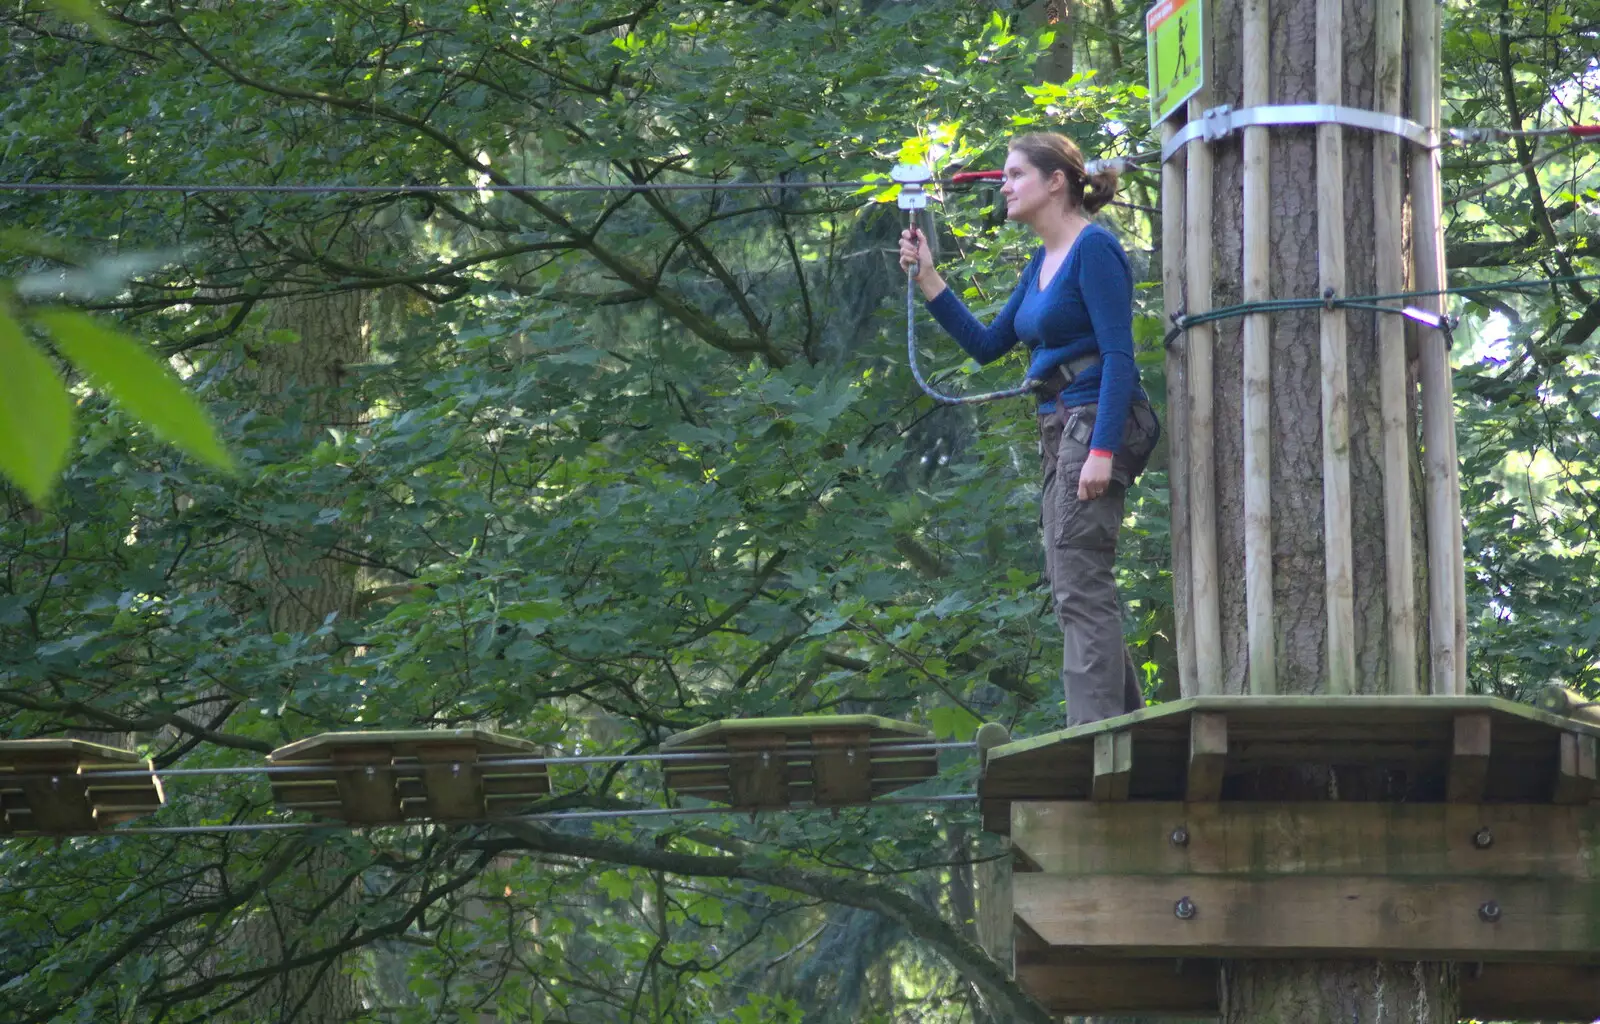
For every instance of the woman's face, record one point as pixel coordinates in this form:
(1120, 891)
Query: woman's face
(1027, 191)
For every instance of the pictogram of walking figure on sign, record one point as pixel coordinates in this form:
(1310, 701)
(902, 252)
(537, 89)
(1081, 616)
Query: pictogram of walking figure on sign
(1180, 64)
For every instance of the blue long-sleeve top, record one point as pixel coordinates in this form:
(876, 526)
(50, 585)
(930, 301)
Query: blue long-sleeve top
(1086, 308)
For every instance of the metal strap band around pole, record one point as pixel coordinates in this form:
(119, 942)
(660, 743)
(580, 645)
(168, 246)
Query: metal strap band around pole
(1219, 122)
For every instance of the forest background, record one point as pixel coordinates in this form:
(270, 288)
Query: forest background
(595, 468)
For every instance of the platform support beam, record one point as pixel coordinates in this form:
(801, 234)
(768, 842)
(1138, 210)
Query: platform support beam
(1113, 765)
(1575, 770)
(1469, 759)
(1208, 755)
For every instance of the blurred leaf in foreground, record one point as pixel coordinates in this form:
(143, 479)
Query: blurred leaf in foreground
(127, 371)
(35, 414)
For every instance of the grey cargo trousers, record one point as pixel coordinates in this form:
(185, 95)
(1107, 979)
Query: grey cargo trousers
(1080, 544)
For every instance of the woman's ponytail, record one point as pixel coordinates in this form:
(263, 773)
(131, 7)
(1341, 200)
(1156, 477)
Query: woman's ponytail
(1051, 152)
(1100, 188)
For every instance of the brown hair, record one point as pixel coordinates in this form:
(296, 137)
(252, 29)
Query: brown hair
(1051, 152)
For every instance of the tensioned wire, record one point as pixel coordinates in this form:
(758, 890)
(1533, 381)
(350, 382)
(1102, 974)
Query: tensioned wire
(1025, 388)
(1464, 136)
(525, 819)
(410, 768)
(730, 186)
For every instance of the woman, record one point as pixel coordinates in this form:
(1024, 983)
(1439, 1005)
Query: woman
(1074, 310)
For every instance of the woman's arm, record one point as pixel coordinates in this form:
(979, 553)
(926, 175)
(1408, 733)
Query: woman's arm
(983, 343)
(1107, 284)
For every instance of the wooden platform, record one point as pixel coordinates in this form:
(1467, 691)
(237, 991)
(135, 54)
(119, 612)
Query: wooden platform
(1150, 847)
(377, 778)
(823, 760)
(1072, 984)
(1491, 750)
(48, 787)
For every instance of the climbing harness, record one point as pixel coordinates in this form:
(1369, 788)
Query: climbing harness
(914, 197)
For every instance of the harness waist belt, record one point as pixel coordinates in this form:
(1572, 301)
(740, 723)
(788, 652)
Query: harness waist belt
(1061, 377)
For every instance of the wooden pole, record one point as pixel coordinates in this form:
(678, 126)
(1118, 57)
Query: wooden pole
(1257, 343)
(992, 879)
(1339, 546)
(1389, 273)
(1172, 288)
(1442, 499)
(1202, 436)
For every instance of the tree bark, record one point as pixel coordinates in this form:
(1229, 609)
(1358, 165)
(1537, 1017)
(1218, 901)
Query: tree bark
(1288, 991)
(1339, 992)
(305, 378)
(1055, 64)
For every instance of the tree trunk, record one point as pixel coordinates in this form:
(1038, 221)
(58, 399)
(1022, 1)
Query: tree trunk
(1298, 547)
(1339, 992)
(1301, 411)
(305, 379)
(1055, 64)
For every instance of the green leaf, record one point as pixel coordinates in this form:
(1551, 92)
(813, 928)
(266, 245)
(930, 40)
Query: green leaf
(86, 11)
(136, 379)
(35, 415)
(953, 723)
(616, 884)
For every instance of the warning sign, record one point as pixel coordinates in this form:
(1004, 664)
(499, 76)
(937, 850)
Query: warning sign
(1174, 33)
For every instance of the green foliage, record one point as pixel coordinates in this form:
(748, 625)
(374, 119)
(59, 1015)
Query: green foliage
(593, 469)
(122, 367)
(36, 422)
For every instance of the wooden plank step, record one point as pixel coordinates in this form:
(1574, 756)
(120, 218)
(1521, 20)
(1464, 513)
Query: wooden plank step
(48, 787)
(824, 760)
(389, 777)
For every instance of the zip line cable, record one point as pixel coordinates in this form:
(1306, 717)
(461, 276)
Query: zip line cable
(731, 186)
(410, 770)
(913, 180)
(527, 819)
(1132, 161)
(1519, 172)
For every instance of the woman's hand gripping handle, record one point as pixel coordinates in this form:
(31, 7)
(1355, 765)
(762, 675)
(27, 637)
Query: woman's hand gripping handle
(916, 259)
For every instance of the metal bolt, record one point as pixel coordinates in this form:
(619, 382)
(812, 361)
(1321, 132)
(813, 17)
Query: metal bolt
(455, 768)
(1180, 836)
(1489, 913)
(1184, 909)
(1483, 838)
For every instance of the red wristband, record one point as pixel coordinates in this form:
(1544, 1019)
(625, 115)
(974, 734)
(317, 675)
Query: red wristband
(1102, 451)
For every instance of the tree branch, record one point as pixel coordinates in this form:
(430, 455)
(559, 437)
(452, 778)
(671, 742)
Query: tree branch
(702, 325)
(1009, 1001)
